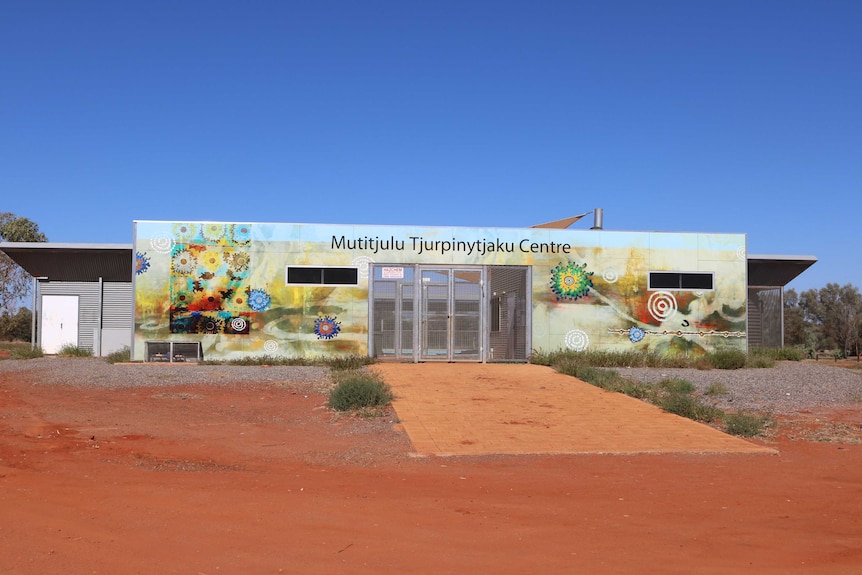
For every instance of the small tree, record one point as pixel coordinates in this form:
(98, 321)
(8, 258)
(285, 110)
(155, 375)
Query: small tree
(16, 327)
(837, 311)
(14, 281)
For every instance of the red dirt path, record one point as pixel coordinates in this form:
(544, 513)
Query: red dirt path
(256, 479)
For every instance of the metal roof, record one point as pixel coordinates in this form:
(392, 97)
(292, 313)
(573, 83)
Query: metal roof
(772, 270)
(73, 262)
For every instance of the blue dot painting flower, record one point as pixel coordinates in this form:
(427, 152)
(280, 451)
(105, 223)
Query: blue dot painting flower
(259, 300)
(240, 234)
(636, 334)
(326, 327)
(142, 263)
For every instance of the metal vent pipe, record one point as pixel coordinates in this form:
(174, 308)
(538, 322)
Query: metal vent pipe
(598, 215)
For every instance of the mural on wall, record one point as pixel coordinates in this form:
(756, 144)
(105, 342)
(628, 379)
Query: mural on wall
(210, 292)
(659, 320)
(224, 285)
(571, 281)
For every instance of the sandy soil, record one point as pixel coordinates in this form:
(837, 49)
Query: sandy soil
(257, 479)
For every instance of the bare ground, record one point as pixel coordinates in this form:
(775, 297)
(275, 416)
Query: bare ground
(258, 478)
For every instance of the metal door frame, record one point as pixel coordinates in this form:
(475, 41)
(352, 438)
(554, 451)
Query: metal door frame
(419, 351)
(451, 351)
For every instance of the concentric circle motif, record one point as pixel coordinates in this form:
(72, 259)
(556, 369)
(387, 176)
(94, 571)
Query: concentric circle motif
(577, 340)
(238, 324)
(270, 346)
(362, 262)
(162, 244)
(740, 253)
(662, 305)
(610, 275)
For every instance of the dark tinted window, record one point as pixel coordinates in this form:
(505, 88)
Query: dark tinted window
(680, 280)
(695, 281)
(341, 276)
(322, 276)
(662, 280)
(304, 275)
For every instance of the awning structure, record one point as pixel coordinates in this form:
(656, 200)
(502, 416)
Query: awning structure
(774, 271)
(73, 262)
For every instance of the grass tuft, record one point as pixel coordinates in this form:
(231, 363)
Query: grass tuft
(72, 350)
(357, 389)
(747, 424)
(716, 388)
(352, 361)
(120, 356)
(727, 359)
(27, 353)
(687, 405)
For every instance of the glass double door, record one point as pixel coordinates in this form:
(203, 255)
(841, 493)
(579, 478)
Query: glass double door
(425, 313)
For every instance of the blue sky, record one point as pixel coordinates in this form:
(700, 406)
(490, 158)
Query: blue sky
(722, 116)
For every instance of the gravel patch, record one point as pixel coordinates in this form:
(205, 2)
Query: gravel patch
(97, 373)
(789, 387)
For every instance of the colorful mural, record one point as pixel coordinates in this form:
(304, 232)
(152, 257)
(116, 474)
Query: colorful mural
(225, 285)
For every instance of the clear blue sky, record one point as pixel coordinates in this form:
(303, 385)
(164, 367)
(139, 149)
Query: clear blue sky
(709, 116)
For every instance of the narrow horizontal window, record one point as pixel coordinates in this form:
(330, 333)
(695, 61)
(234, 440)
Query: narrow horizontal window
(311, 275)
(681, 280)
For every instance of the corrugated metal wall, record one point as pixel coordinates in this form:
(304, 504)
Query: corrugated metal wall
(116, 310)
(765, 317)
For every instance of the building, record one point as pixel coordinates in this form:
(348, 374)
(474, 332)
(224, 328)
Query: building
(227, 290)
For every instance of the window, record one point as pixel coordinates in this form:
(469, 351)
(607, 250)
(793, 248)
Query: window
(681, 280)
(311, 275)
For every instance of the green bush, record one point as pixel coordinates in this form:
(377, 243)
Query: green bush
(779, 353)
(72, 350)
(27, 353)
(689, 406)
(727, 359)
(120, 356)
(676, 385)
(746, 424)
(357, 389)
(760, 362)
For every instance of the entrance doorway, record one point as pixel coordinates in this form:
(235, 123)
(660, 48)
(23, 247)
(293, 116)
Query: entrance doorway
(59, 325)
(449, 313)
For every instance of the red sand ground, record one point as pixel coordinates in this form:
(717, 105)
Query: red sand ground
(206, 480)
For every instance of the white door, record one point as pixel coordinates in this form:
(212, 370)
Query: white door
(59, 322)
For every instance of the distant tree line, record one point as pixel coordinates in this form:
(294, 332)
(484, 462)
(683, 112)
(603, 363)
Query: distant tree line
(826, 319)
